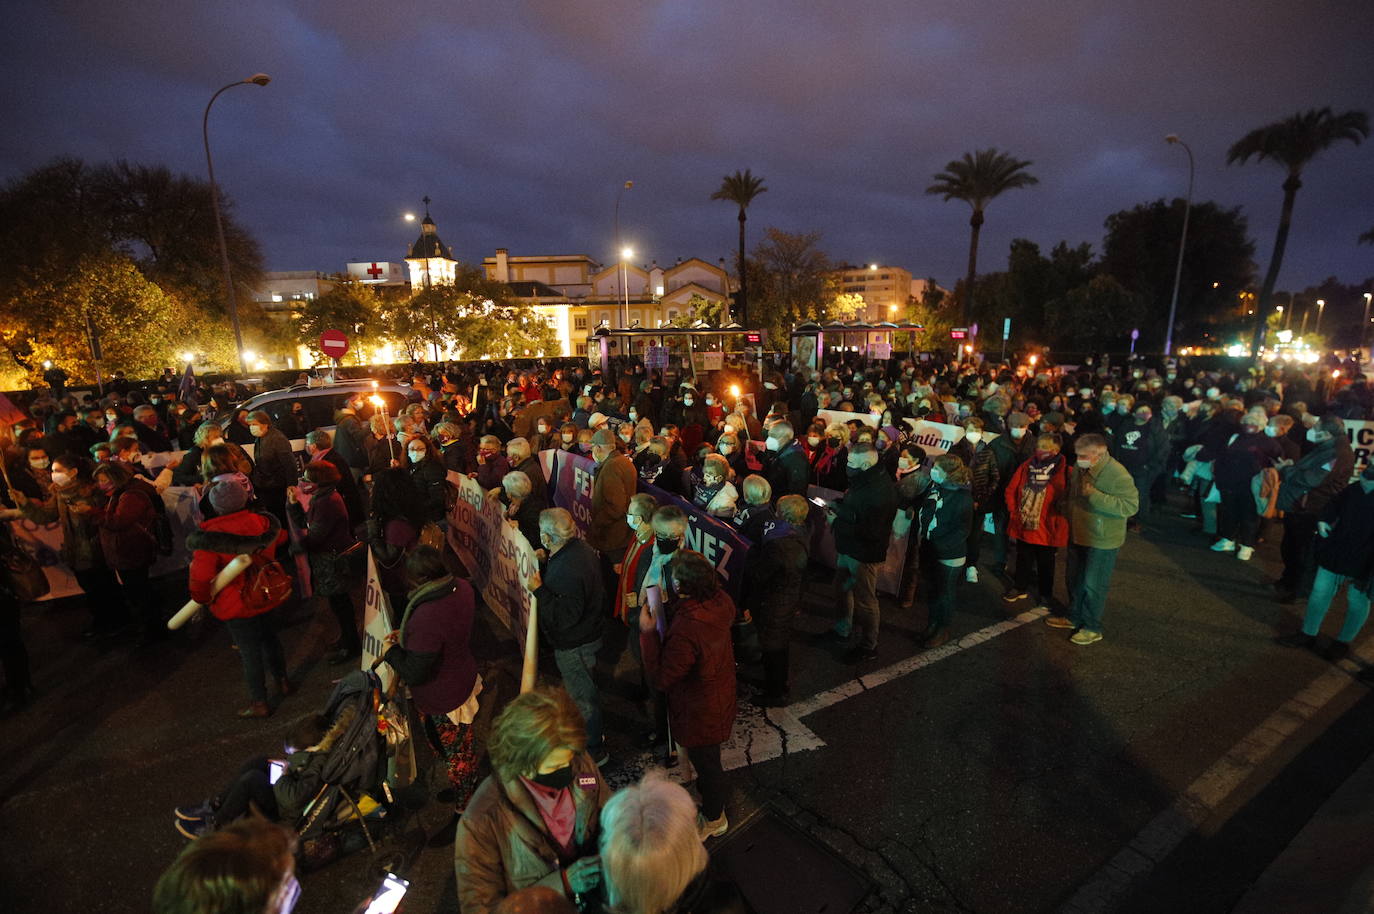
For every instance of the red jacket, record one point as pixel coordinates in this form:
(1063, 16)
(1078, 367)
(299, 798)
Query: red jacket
(216, 543)
(629, 567)
(1053, 526)
(695, 665)
(127, 536)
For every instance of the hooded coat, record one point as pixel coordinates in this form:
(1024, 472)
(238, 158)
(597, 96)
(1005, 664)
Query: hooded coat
(218, 541)
(695, 665)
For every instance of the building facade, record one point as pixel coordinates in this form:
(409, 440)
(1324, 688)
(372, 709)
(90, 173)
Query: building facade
(885, 290)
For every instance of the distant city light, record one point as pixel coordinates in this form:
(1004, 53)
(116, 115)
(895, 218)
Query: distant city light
(410, 217)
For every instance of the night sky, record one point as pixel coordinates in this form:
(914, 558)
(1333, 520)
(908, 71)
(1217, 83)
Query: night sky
(521, 118)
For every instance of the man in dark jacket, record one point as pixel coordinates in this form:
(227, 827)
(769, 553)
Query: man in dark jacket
(789, 472)
(774, 574)
(570, 594)
(319, 446)
(349, 438)
(862, 524)
(1138, 445)
(1305, 489)
(1345, 554)
(274, 465)
(1237, 519)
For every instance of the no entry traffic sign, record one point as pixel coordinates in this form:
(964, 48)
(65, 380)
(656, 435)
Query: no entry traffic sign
(334, 344)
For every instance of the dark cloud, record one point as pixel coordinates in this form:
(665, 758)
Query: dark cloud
(522, 118)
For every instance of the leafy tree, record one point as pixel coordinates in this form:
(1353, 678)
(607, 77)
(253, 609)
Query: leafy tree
(740, 189)
(710, 310)
(977, 179)
(1141, 250)
(1292, 143)
(1091, 316)
(1030, 281)
(796, 281)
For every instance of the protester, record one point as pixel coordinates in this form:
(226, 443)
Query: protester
(523, 505)
(1235, 466)
(1344, 554)
(319, 445)
(535, 820)
(430, 652)
(775, 573)
(985, 485)
(235, 531)
(128, 541)
(1101, 496)
(691, 660)
(862, 524)
(571, 605)
(394, 528)
(943, 522)
(325, 538)
(715, 495)
(1037, 499)
(428, 476)
(613, 484)
(274, 466)
(1305, 489)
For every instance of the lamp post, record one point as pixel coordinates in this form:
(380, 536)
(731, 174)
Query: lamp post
(625, 255)
(1321, 306)
(625, 317)
(1365, 325)
(1182, 242)
(257, 79)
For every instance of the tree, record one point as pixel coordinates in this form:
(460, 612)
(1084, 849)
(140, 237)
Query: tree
(977, 179)
(740, 189)
(1141, 250)
(1030, 281)
(796, 280)
(1090, 316)
(1292, 143)
(710, 310)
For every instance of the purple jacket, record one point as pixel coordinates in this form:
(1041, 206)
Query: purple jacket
(443, 626)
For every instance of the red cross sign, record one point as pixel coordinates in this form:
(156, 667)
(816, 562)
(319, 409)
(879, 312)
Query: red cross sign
(375, 272)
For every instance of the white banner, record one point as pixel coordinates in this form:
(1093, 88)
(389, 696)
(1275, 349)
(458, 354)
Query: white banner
(495, 552)
(935, 437)
(840, 417)
(377, 623)
(1361, 435)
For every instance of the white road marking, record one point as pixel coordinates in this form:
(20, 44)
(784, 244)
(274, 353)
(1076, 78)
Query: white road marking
(1211, 788)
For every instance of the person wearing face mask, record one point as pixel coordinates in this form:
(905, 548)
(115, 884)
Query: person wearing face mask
(319, 446)
(943, 521)
(715, 494)
(728, 445)
(536, 819)
(1173, 426)
(986, 486)
(128, 542)
(35, 479)
(571, 597)
(639, 551)
(1246, 454)
(1140, 449)
(350, 438)
(862, 525)
(1037, 500)
(774, 578)
(492, 465)
(148, 427)
(691, 660)
(327, 536)
(1278, 428)
(787, 469)
(1344, 554)
(428, 476)
(74, 506)
(1305, 489)
(1101, 496)
(913, 479)
(274, 465)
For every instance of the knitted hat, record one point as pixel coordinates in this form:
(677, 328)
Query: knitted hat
(229, 493)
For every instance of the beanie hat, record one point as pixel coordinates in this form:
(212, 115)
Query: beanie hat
(229, 493)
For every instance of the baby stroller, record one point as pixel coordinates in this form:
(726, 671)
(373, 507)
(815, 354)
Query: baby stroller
(357, 804)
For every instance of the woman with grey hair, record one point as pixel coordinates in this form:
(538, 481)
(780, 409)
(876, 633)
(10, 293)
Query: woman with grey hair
(653, 861)
(523, 505)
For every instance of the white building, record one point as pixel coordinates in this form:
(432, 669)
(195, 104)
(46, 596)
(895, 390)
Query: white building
(378, 273)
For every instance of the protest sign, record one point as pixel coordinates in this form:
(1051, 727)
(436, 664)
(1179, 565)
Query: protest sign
(570, 486)
(840, 417)
(494, 551)
(1361, 435)
(719, 541)
(377, 623)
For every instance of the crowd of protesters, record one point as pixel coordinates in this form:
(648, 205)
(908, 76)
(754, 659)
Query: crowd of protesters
(1042, 461)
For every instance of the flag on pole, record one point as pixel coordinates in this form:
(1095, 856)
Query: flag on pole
(9, 412)
(186, 393)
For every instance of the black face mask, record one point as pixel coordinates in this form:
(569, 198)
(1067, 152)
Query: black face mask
(555, 780)
(665, 545)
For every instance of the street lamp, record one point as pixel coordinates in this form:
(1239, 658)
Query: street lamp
(1367, 297)
(625, 255)
(625, 317)
(1182, 241)
(257, 79)
(1321, 306)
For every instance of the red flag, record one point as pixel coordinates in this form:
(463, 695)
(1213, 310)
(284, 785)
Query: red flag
(11, 413)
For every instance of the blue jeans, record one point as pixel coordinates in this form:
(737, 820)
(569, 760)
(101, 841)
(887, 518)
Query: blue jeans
(1324, 589)
(576, 665)
(259, 650)
(1090, 574)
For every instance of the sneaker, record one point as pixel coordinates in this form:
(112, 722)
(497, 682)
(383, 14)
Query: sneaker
(1224, 546)
(936, 640)
(1244, 552)
(971, 575)
(1040, 607)
(1011, 596)
(195, 813)
(1083, 636)
(860, 654)
(712, 829)
(1059, 622)
(1295, 639)
(194, 829)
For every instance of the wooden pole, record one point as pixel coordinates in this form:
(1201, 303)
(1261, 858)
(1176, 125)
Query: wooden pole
(531, 668)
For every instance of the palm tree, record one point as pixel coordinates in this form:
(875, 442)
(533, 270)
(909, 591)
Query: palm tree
(1292, 143)
(740, 189)
(976, 179)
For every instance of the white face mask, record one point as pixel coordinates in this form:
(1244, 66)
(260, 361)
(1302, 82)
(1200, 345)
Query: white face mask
(937, 476)
(710, 401)
(39, 464)
(904, 463)
(769, 385)
(688, 401)
(813, 440)
(634, 416)
(543, 429)
(1271, 431)
(973, 437)
(257, 431)
(60, 478)
(771, 444)
(1312, 436)
(725, 448)
(1084, 463)
(633, 521)
(1213, 393)
(567, 438)
(1018, 432)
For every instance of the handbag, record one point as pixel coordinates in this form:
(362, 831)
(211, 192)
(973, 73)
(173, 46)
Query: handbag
(26, 576)
(266, 585)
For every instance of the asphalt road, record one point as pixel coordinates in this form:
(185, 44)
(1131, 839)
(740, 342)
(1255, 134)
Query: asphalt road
(1001, 777)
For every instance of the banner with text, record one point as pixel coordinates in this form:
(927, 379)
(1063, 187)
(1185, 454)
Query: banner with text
(377, 623)
(496, 554)
(1361, 434)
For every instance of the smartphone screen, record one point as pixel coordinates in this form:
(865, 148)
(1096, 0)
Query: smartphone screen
(275, 769)
(388, 897)
(818, 502)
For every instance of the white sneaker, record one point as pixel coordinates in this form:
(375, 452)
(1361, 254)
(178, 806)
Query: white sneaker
(1244, 553)
(1224, 546)
(971, 574)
